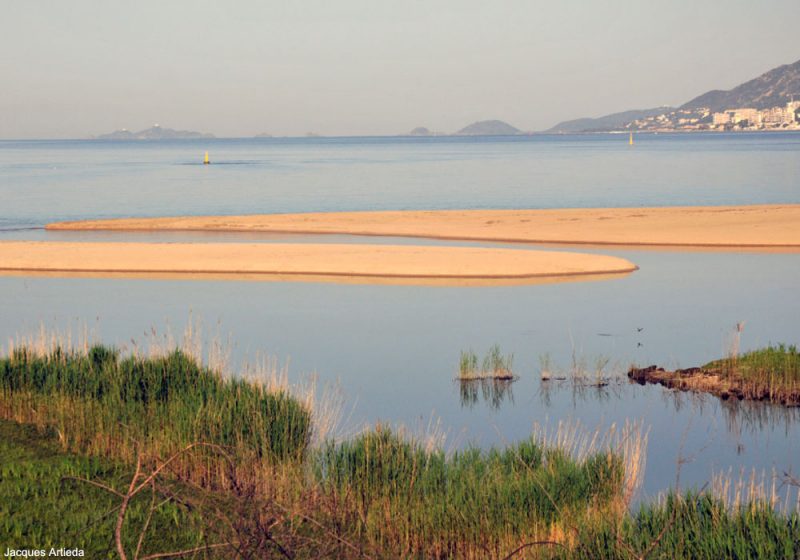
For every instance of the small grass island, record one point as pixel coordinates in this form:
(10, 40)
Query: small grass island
(768, 374)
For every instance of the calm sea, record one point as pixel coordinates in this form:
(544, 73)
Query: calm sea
(393, 350)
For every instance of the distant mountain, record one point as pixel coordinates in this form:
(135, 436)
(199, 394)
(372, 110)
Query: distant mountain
(420, 131)
(770, 89)
(155, 132)
(488, 128)
(263, 135)
(608, 122)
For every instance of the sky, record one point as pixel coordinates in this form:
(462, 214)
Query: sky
(72, 69)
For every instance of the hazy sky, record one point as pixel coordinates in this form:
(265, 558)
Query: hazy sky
(73, 68)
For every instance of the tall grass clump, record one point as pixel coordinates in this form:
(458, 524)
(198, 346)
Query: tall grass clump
(495, 365)
(468, 365)
(771, 373)
(691, 526)
(100, 402)
(419, 502)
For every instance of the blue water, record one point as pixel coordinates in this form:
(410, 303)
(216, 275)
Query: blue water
(393, 350)
(63, 180)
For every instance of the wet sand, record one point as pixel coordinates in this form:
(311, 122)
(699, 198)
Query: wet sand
(766, 227)
(313, 262)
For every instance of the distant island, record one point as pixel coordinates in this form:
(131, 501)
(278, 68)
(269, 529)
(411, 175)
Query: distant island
(479, 128)
(420, 131)
(488, 128)
(155, 132)
(769, 102)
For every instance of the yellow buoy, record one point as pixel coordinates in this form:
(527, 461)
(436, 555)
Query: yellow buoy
(206, 161)
(630, 142)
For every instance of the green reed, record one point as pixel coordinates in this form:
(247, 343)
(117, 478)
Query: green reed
(494, 365)
(103, 403)
(468, 365)
(691, 526)
(42, 505)
(434, 505)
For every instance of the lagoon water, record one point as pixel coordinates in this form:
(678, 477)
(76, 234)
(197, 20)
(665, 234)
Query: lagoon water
(393, 350)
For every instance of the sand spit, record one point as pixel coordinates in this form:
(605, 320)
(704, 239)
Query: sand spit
(292, 261)
(714, 227)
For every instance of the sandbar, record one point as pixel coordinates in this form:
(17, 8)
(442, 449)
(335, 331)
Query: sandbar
(775, 226)
(313, 262)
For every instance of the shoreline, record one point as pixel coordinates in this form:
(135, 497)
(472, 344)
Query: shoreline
(306, 262)
(755, 228)
(711, 381)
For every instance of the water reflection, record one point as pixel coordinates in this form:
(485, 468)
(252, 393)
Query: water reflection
(494, 392)
(757, 416)
(739, 417)
(602, 389)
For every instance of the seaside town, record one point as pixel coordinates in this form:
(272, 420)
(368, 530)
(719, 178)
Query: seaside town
(785, 117)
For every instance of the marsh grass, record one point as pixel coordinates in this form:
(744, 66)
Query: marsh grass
(394, 476)
(382, 488)
(627, 441)
(102, 403)
(382, 493)
(43, 506)
(771, 373)
(436, 505)
(495, 365)
(693, 525)
(601, 380)
(468, 365)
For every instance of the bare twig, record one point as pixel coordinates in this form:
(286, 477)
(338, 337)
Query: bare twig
(146, 521)
(94, 483)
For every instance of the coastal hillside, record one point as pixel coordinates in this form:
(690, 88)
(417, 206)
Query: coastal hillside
(771, 93)
(771, 89)
(488, 128)
(607, 122)
(155, 132)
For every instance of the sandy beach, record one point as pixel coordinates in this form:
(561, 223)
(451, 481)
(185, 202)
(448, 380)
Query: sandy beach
(334, 262)
(761, 226)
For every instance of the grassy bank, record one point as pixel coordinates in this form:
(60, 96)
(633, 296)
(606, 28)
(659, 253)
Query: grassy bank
(91, 424)
(43, 506)
(437, 506)
(100, 403)
(771, 373)
(380, 490)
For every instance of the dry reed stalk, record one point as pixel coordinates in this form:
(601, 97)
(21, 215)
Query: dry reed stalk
(748, 489)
